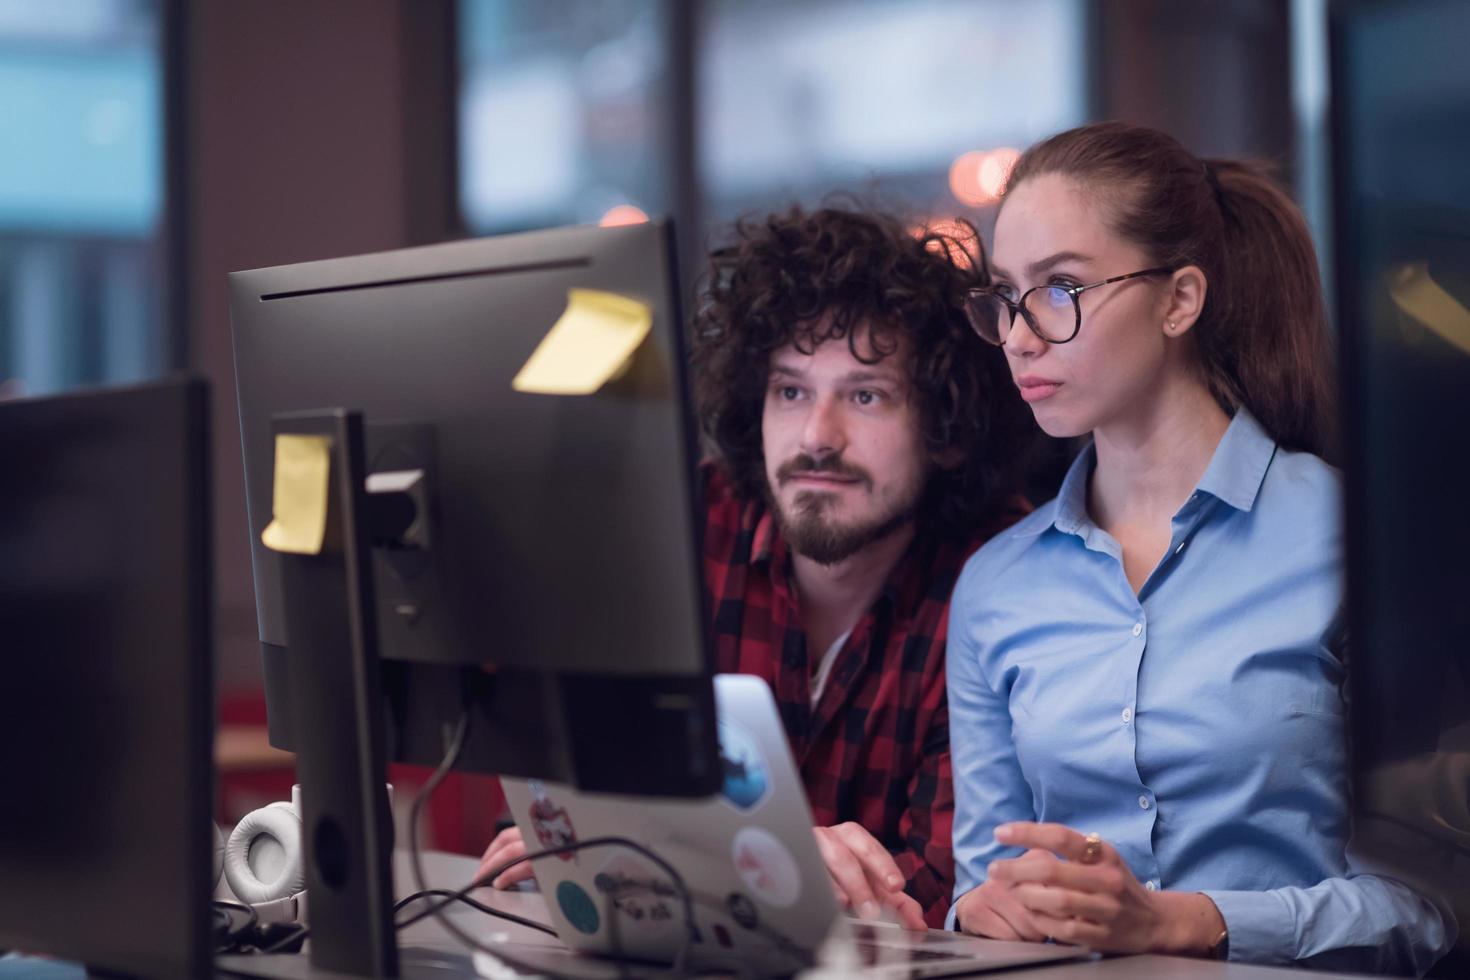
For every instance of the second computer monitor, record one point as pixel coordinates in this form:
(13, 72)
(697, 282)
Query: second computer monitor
(559, 543)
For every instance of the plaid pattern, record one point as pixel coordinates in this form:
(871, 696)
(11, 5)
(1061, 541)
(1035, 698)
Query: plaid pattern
(876, 748)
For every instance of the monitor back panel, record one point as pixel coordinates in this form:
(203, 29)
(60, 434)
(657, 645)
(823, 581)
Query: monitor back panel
(563, 526)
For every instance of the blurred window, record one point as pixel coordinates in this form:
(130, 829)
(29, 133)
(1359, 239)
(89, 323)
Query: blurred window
(880, 97)
(558, 111)
(901, 101)
(81, 193)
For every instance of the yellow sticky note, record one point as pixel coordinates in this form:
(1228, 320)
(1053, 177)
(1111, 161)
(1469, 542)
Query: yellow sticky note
(592, 341)
(299, 506)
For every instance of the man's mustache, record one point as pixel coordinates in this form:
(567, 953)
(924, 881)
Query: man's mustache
(833, 465)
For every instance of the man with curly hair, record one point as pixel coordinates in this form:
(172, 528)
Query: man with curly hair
(863, 442)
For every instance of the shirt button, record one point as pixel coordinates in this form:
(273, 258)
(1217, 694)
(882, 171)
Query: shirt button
(1143, 803)
(1127, 715)
(1137, 629)
(1151, 885)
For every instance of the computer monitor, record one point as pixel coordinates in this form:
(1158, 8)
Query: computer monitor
(1401, 97)
(558, 573)
(106, 725)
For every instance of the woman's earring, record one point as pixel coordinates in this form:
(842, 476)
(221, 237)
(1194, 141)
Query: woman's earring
(1173, 328)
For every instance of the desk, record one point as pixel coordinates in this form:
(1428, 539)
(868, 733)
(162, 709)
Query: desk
(453, 870)
(437, 954)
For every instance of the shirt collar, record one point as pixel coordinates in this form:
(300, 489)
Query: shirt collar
(1234, 475)
(1071, 509)
(1239, 465)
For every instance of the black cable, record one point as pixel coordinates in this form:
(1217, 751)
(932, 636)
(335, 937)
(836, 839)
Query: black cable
(451, 756)
(287, 940)
(249, 910)
(687, 896)
(403, 903)
(480, 881)
(481, 906)
(782, 941)
(232, 934)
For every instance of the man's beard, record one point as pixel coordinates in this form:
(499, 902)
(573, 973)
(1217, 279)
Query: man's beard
(811, 530)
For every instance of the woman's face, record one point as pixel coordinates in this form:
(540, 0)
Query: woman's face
(1050, 231)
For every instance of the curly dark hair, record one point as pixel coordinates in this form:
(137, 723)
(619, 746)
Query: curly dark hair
(803, 277)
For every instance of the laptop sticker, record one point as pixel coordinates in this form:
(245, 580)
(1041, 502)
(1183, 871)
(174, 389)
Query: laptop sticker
(766, 867)
(643, 898)
(742, 910)
(746, 780)
(552, 823)
(578, 907)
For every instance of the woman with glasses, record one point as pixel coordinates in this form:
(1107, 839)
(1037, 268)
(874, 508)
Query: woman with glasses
(1144, 681)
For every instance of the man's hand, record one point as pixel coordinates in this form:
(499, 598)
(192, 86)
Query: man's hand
(864, 874)
(1098, 904)
(507, 846)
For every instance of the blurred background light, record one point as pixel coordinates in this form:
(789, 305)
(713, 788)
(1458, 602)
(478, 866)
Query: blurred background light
(622, 214)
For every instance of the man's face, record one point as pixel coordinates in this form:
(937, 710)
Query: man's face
(845, 458)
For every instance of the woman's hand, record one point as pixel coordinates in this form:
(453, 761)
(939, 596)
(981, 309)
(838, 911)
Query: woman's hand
(1089, 897)
(993, 911)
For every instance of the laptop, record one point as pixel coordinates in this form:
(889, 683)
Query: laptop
(761, 897)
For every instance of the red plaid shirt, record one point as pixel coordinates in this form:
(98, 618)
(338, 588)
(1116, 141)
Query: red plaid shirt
(875, 750)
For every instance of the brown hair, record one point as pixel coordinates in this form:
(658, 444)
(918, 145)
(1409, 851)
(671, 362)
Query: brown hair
(804, 277)
(1262, 336)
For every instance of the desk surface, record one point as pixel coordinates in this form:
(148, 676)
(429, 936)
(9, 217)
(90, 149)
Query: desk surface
(453, 870)
(434, 945)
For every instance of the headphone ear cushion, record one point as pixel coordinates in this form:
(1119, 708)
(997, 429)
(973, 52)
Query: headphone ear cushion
(277, 822)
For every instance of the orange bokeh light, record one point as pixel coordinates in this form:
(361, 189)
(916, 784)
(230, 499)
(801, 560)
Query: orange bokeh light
(623, 214)
(979, 177)
(995, 170)
(964, 178)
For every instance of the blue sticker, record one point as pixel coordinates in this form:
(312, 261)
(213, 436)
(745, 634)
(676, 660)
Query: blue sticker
(578, 907)
(745, 771)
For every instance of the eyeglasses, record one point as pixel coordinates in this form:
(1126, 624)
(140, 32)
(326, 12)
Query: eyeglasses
(1051, 311)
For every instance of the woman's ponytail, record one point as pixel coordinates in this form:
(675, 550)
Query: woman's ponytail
(1267, 345)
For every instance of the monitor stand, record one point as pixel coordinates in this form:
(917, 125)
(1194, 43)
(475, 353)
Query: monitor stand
(347, 826)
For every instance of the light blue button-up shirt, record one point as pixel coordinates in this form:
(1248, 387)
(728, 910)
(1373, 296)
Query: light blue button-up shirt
(1197, 725)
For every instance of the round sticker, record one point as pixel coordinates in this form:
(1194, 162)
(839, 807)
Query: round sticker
(745, 771)
(578, 907)
(766, 867)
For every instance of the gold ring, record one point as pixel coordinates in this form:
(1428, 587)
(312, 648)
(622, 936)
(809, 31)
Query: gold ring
(1093, 850)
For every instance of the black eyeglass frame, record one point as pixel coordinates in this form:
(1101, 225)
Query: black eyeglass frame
(1019, 305)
